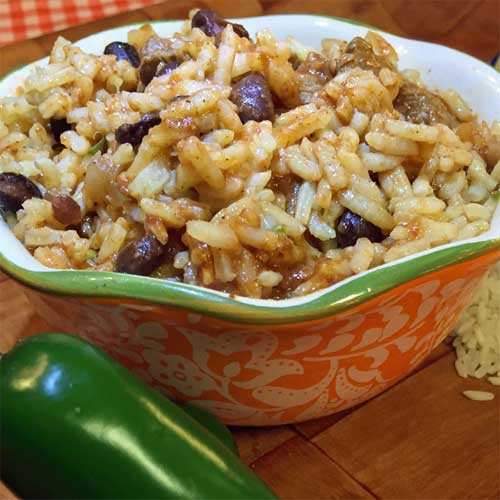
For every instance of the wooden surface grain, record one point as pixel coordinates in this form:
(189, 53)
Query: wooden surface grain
(439, 442)
(420, 439)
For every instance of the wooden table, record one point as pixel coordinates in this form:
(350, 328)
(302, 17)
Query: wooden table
(421, 439)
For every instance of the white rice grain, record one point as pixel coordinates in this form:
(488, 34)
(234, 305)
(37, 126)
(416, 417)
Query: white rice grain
(479, 395)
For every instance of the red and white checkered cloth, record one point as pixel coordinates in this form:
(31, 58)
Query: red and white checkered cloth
(21, 19)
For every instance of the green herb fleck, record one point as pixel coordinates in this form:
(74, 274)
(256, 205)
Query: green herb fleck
(91, 254)
(280, 230)
(99, 146)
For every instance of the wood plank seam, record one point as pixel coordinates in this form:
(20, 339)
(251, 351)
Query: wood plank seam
(427, 446)
(314, 475)
(345, 471)
(252, 464)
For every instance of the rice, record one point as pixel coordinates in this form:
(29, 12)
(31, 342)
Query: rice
(479, 395)
(477, 336)
(245, 159)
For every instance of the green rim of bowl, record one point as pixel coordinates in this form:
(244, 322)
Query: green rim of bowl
(351, 293)
(205, 301)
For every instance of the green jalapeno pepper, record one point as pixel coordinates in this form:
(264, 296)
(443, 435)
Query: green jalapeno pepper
(76, 424)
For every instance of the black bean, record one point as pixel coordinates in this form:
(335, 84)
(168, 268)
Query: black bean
(253, 98)
(133, 133)
(352, 226)
(123, 51)
(240, 30)
(140, 257)
(153, 52)
(148, 69)
(15, 189)
(166, 67)
(57, 127)
(66, 210)
(87, 226)
(212, 24)
(157, 65)
(158, 58)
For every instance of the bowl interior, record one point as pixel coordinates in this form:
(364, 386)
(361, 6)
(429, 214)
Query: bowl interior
(440, 66)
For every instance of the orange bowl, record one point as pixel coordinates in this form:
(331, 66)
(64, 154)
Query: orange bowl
(264, 362)
(267, 374)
